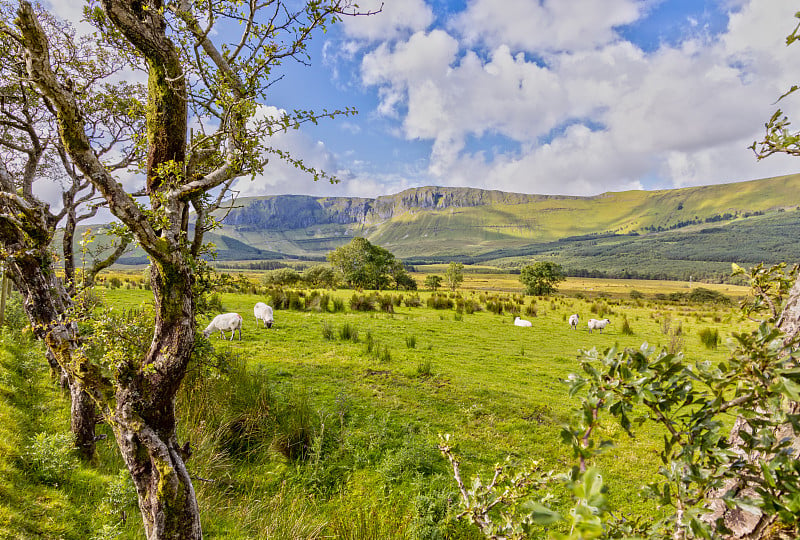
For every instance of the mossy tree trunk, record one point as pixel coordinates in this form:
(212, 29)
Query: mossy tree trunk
(46, 302)
(139, 403)
(144, 419)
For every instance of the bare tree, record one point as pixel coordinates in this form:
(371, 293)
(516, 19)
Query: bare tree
(223, 85)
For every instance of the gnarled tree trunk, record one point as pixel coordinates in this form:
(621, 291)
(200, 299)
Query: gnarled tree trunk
(46, 303)
(144, 418)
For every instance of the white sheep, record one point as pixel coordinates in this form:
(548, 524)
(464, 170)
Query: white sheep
(521, 322)
(223, 322)
(573, 321)
(595, 324)
(263, 312)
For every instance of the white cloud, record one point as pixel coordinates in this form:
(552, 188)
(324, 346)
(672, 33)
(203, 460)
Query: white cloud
(681, 115)
(549, 25)
(395, 19)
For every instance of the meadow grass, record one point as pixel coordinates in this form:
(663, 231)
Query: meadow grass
(367, 423)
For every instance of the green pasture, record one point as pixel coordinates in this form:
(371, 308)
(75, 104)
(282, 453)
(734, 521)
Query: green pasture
(381, 387)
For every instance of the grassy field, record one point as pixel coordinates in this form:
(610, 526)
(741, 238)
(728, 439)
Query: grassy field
(325, 426)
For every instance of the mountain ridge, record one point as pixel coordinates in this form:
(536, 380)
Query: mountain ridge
(448, 221)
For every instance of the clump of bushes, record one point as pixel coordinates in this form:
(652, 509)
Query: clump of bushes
(440, 301)
(709, 337)
(362, 302)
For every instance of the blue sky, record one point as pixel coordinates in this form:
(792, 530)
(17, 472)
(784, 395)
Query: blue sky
(573, 97)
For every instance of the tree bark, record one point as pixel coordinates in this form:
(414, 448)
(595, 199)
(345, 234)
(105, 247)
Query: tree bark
(45, 303)
(144, 419)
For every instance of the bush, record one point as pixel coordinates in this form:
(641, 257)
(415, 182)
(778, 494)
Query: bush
(626, 327)
(636, 295)
(281, 277)
(440, 301)
(386, 303)
(327, 331)
(50, 457)
(348, 333)
(709, 337)
(412, 301)
(361, 302)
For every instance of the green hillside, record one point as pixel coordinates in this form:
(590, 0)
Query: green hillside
(669, 234)
(463, 222)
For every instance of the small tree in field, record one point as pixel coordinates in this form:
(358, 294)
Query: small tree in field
(363, 264)
(433, 282)
(454, 275)
(541, 278)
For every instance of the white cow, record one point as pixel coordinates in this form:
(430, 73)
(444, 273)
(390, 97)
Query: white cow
(573, 321)
(223, 322)
(263, 312)
(521, 322)
(595, 324)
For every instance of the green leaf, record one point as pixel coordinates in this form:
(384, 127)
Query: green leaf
(540, 514)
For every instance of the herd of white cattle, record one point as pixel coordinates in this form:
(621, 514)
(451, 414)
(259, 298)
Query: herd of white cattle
(231, 322)
(594, 324)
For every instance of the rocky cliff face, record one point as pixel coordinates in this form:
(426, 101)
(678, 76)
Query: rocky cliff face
(284, 212)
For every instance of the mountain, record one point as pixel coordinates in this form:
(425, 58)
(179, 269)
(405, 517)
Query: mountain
(440, 222)
(679, 233)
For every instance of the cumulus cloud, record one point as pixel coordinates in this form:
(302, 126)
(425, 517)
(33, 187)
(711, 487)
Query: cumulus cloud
(395, 19)
(549, 25)
(586, 111)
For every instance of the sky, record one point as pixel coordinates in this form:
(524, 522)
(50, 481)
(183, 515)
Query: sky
(558, 97)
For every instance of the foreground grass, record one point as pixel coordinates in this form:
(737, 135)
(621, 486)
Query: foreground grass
(365, 396)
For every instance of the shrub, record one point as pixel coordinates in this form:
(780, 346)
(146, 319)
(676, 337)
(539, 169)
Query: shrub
(348, 333)
(440, 301)
(709, 337)
(281, 277)
(636, 295)
(626, 327)
(50, 457)
(412, 301)
(701, 295)
(338, 305)
(361, 302)
(386, 303)
(327, 331)
(471, 306)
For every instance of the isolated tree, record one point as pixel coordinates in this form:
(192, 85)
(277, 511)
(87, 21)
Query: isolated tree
(541, 278)
(192, 71)
(401, 278)
(363, 264)
(321, 276)
(433, 281)
(454, 275)
(31, 153)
